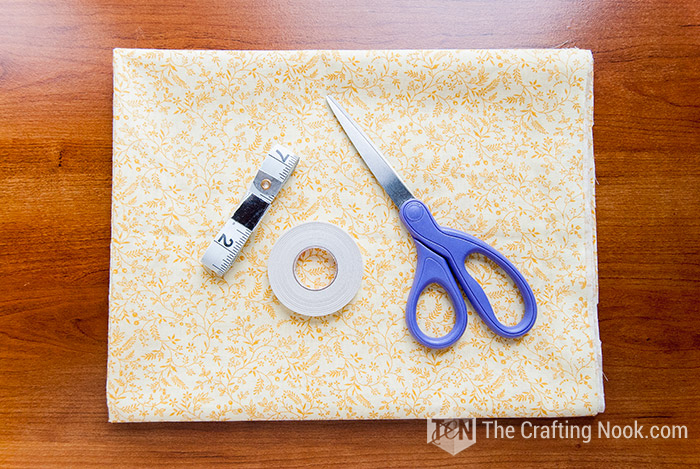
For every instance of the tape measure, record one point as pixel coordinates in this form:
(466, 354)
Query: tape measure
(273, 173)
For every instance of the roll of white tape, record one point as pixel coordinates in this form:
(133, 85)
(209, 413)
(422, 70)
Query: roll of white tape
(282, 263)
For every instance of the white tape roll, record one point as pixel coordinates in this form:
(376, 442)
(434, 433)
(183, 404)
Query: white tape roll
(282, 263)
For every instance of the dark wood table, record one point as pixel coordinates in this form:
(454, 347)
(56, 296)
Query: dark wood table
(55, 178)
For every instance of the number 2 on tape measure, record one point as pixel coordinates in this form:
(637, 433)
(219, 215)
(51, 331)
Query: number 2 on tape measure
(222, 239)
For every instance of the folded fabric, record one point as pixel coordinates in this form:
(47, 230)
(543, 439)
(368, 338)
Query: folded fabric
(497, 143)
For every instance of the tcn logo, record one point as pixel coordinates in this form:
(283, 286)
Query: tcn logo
(452, 435)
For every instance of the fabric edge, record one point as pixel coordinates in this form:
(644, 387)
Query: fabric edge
(598, 405)
(116, 68)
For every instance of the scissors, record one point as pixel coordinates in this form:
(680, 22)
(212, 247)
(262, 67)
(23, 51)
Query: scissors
(442, 252)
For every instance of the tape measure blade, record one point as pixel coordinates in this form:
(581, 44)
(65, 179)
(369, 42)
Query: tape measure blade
(218, 259)
(226, 247)
(279, 163)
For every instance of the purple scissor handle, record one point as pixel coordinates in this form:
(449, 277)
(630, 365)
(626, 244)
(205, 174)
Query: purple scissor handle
(442, 253)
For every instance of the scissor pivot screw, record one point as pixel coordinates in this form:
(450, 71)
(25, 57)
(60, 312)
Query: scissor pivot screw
(413, 210)
(265, 184)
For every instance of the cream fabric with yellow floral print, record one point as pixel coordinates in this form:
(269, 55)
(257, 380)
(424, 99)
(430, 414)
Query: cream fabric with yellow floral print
(497, 143)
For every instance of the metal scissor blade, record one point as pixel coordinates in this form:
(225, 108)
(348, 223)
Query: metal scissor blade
(373, 158)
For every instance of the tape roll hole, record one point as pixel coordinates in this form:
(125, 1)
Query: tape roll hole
(315, 268)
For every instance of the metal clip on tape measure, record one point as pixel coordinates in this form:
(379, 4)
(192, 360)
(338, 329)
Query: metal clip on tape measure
(274, 172)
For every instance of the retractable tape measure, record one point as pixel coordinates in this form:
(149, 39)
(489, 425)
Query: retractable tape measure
(273, 173)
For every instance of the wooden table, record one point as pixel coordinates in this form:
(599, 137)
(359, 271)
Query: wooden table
(55, 178)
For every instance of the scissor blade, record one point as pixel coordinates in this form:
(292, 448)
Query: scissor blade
(373, 158)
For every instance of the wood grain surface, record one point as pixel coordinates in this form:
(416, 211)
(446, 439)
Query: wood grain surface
(55, 178)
